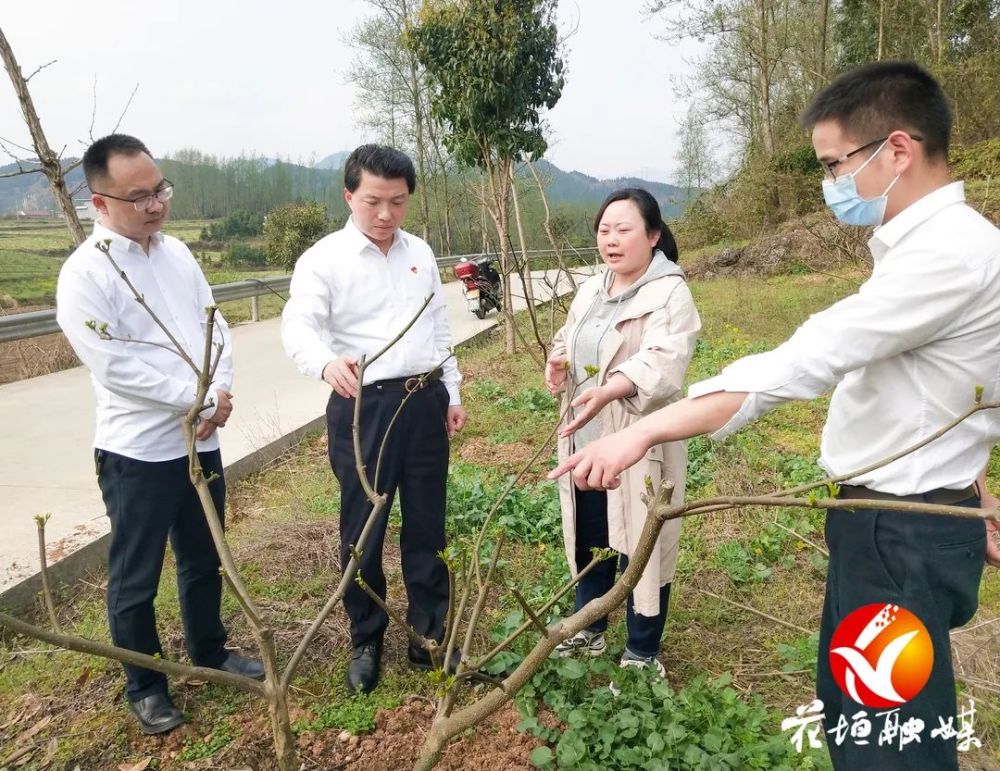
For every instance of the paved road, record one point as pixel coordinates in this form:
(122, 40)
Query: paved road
(48, 422)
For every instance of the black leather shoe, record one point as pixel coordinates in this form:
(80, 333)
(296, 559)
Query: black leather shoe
(241, 665)
(420, 659)
(362, 670)
(157, 714)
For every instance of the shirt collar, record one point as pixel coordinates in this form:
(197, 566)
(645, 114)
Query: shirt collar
(891, 233)
(362, 242)
(102, 232)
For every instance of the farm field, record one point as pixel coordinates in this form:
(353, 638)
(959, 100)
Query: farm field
(32, 251)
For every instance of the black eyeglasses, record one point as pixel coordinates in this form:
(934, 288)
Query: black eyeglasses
(830, 166)
(143, 202)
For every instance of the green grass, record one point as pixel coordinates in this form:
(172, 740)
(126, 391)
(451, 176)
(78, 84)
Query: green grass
(31, 254)
(282, 523)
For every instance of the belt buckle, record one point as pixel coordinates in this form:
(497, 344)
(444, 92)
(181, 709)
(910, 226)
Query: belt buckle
(413, 384)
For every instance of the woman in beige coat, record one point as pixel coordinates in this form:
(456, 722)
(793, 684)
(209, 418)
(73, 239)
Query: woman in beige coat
(622, 354)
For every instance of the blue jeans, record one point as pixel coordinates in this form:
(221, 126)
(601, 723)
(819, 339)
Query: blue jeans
(644, 632)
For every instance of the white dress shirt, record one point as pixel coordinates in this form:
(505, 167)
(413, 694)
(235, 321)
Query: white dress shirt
(142, 390)
(349, 299)
(906, 354)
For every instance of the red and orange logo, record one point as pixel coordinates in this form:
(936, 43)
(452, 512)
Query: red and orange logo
(881, 655)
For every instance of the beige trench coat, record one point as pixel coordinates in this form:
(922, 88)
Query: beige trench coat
(651, 345)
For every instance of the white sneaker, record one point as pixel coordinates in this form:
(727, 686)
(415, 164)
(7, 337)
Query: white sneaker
(629, 659)
(583, 642)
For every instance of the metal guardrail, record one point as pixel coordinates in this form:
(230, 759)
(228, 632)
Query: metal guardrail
(21, 326)
(447, 262)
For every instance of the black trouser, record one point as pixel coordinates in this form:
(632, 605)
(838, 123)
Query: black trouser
(415, 461)
(928, 564)
(149, 503)
(644, 632)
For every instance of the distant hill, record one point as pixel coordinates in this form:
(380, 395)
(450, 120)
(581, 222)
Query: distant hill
(333, 162)
(31, 191)
(289, 181)
(576, 187)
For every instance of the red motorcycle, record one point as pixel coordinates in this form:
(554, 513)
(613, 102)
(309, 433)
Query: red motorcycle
(480, 284)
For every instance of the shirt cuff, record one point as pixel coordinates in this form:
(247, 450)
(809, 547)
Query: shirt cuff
(320, 363)
(747, 413)
(454, 398)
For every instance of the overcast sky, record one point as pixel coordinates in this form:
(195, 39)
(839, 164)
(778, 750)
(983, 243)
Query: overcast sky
(228, 76)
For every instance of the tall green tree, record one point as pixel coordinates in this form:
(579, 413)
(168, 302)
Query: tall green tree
(492, 67)
(697, 167)
(957, 40)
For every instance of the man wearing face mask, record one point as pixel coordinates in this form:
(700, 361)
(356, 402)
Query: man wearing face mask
(905, 355)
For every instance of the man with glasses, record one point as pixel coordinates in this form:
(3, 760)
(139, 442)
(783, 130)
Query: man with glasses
(905, 355)
(143, 389)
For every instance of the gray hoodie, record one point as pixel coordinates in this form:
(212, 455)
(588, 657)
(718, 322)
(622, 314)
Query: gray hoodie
(592, 328)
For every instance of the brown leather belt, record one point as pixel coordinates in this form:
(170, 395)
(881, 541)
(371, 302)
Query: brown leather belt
(942, 496)
(408, 384)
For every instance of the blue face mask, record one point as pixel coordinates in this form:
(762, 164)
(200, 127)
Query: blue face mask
(848, 206)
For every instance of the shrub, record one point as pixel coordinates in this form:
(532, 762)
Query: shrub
(238, 224)
(243, 255)
(291, 229)
(977, 161)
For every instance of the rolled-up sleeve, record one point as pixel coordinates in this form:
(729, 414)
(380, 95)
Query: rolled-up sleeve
(895, 311)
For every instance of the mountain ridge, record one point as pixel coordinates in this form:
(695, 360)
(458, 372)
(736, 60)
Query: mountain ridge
(31, 192)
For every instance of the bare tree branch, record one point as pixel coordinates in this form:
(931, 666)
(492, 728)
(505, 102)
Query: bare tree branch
(48, 160)
(121, 116)
(93, 110)
(749, 609)
(40, 521)
(39, 69)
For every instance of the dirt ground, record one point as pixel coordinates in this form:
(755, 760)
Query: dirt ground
(394, 744)
(399, 733)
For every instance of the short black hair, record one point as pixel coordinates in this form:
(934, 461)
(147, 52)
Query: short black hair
(873, 100)
(95, 159)
(382, 161)
(650, 211)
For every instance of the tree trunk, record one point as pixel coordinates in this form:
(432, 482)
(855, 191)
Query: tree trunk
(49, 161)
(764, 80)
(498, 176)
(524, 270)
(418, 121)
(547, 225)
(447, 219)
(940, 36)
(824, 12)
(277, 708)
(881, 29)
(505, 267)
(483, 218)
(528, 290)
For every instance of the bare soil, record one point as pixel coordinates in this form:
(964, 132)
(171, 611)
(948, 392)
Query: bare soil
(23, 359)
